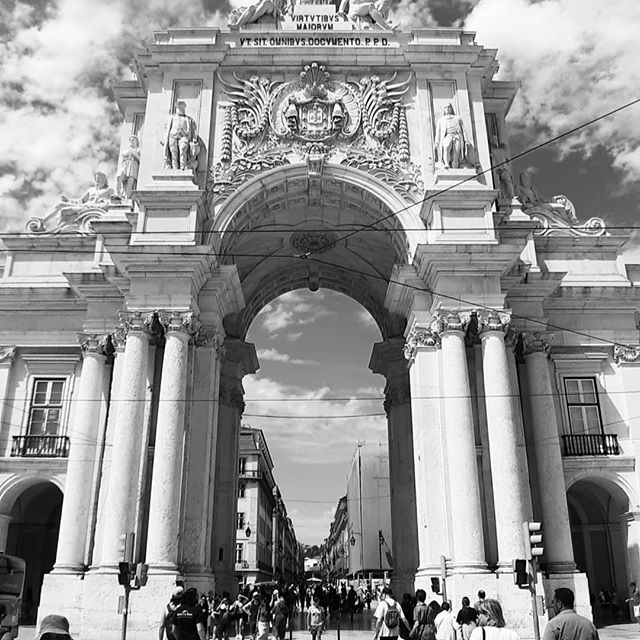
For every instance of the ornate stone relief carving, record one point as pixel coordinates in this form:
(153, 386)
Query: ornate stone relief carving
(7, 354)
(315, 120)
(419, 337)
(626, 354)
(307, 242)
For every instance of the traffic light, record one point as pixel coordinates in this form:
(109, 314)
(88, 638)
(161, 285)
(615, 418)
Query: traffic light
(142, 570)
(532, 539)
(124, 577)
(435, 585)
(520, 573)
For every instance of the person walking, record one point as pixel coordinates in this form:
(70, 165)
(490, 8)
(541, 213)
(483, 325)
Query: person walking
(263, 618)
(166, 625)
(187, 619)
(280, 617)
(389, 616)
(445, 623)
(491, 624)
(467, 619)
(634, 602)
(567, 624)
(423, 619)
(316, 619)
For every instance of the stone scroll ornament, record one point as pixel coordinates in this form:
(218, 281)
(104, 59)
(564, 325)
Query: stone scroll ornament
(315, 120)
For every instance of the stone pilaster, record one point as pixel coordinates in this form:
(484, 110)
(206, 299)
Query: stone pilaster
(122, 495)
(239, 360)
(166, 482)
(547, 454)
(7, 356)
(510, 502)
(388, 359)
(462, 470)
(5, 521)
(84, 448)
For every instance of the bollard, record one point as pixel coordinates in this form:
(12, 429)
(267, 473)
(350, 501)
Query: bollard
(338, 626)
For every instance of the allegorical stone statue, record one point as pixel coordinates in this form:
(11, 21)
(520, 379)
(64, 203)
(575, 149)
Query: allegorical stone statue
(527, 195)
(451, 140)
(253, 13)
(127, 179)
(97, 195)
(503, 172)
(362, 11)
(181, 139)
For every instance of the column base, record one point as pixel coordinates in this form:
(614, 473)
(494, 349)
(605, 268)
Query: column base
(74, 569)
(464, 568)
(163, 568)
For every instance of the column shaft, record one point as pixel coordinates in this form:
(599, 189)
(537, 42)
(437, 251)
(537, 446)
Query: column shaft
(5, 521)
(506, 470)
(462, 469)
(166, 482)
(83, 453)
(550, 475)
(122, 498)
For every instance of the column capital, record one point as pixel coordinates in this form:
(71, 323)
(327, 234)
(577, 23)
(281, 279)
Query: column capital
(493, 321)
(7, 354)
(536, 342)
(207, 337)
(420, 337)
(183, 322)
(446, 321)
(137, 322)
(626, 354)
(93, 343)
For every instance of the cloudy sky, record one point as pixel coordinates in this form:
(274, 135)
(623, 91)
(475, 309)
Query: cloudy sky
(575, 60)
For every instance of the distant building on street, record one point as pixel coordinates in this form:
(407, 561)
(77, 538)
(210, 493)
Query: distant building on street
(266, 545)
(359, 541)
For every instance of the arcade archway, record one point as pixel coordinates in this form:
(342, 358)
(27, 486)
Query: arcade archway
(598, 531)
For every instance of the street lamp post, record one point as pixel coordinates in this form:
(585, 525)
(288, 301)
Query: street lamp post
(380, 543)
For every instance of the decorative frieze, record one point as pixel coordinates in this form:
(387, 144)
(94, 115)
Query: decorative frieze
(626, 354)
(179, 322)
(420, 337)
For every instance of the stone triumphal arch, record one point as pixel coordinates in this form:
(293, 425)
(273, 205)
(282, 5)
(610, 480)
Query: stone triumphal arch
(319, 150)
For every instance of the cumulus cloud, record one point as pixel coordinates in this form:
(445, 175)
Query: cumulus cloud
(576, 59)
(315, 423)
(58, 61)
(291, 310)
(276, 356)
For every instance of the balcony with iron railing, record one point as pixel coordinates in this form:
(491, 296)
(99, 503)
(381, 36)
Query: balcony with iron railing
(40, 446)
(590, 444)
(250, 473)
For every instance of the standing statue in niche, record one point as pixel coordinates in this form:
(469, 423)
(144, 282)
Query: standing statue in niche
(127, 179)
(367, 12)
(451, 140)
(501, 167)
(181, 140)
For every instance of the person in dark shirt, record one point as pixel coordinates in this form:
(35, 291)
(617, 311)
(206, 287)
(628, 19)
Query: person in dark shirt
(467, 618)
(188, 619)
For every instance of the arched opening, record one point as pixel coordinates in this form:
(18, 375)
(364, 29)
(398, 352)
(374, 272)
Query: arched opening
(33, 536)
(598, 532)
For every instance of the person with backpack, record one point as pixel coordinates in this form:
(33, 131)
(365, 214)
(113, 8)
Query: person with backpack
(423, 617)
(316, 619)
(166, 627)
(389, 616)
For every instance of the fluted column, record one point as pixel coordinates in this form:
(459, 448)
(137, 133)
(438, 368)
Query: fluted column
(422, 351)
(462, 470)
(546, 446)
(510, 501)
(122, 496)
(166, 479)
(83, 435)
(239, 360)
(388, 359)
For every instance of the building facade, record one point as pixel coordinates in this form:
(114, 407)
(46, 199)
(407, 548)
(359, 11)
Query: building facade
(266, 545)
(360, 159)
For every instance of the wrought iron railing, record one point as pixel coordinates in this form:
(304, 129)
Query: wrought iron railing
(250, 473)
(592, 444)
(40, 446)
